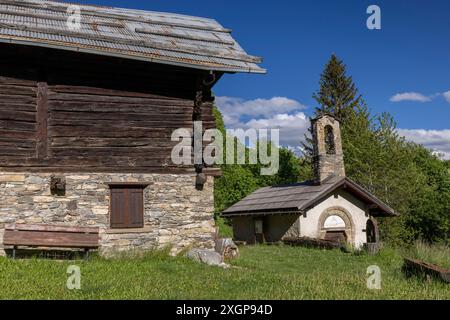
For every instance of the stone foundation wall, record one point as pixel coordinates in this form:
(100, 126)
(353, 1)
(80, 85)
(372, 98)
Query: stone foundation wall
(175, 215)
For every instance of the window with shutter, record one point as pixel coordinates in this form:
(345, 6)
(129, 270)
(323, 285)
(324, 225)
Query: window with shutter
(127, 207)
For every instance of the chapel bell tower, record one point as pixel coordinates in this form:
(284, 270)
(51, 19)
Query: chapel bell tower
(328, 158)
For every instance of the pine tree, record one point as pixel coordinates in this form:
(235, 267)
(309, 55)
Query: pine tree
(337, 96)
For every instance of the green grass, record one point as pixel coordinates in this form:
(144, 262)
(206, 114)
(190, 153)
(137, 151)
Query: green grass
(262, 272)
(436, 254)
(225, 230)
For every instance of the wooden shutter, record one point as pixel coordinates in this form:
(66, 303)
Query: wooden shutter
(127, 207)
(118, 208)
(135, 208)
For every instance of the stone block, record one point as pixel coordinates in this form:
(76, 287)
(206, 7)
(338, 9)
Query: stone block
(12, 178)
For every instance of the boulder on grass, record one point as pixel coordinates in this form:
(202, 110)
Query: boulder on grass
(208, 257)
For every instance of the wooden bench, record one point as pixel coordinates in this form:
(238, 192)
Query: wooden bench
(28, 235)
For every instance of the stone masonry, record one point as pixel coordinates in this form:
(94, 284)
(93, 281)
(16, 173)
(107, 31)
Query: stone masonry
(176, 215)
(327, 164)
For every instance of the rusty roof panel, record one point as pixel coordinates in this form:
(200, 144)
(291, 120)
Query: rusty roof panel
(166, 38)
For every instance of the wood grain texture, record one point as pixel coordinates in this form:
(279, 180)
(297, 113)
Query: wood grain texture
(42, 121)
(92, 113)
(51, 236)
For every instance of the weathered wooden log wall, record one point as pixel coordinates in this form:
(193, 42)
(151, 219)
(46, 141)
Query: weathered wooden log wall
(78, 112)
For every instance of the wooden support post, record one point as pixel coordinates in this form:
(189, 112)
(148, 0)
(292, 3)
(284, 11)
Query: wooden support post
(202, 97)
(42, 121)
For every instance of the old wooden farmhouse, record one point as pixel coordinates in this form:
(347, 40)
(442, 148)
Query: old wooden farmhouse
(330, 207)
(86, 117)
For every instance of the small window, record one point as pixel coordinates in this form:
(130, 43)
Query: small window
(329, 140)
(259, 227)
(127, 207)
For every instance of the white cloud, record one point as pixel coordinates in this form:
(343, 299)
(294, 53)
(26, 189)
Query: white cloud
(447, 96)
(234, 109)
(437, 140)
(419, 97)
(275, 113)
(292, 127)
(410, 96)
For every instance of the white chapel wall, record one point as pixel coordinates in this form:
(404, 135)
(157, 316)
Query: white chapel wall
(309, 226)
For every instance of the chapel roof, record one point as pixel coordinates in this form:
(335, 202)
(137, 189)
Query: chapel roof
(300, 197)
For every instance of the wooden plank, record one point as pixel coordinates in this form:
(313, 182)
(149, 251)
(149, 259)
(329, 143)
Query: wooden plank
(98, 142)
(17, 115)
(42, 121)
(148, 107)
(109, 92)
(51, 228)
(17, 81)
(312, 243)
(8, 98)
(145, 123)
(157, 169)
(18, 90)
(17, 125)
(30, 107)
(85, 152)
(83, 162)
(19, 143)
(112, 131)
(50, 239)
(16, 151)
(95, 98)
(123, 117)
(26, 135)
(422, 268)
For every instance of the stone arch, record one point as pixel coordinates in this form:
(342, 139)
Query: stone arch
(342, 215)
(330, 144)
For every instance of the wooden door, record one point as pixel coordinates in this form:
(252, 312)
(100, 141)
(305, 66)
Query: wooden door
(336, 236)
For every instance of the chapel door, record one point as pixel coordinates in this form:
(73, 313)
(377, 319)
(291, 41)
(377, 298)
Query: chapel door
(259, 231)
(336, 236)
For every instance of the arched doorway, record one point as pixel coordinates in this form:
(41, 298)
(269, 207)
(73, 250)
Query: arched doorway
(335, 229)
(335, 224)
(371, 231)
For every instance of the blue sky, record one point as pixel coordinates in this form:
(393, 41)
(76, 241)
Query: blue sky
(404, 68)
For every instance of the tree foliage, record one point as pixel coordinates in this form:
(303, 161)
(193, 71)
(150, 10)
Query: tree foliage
(238, 181)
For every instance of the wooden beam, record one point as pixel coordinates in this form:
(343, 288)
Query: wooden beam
(42, 121)
(418, 268)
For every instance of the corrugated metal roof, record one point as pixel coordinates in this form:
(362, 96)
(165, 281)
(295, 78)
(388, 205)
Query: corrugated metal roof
(166, 38)
(300, 197)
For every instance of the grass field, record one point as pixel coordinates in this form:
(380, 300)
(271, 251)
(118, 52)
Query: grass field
(264, 272)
